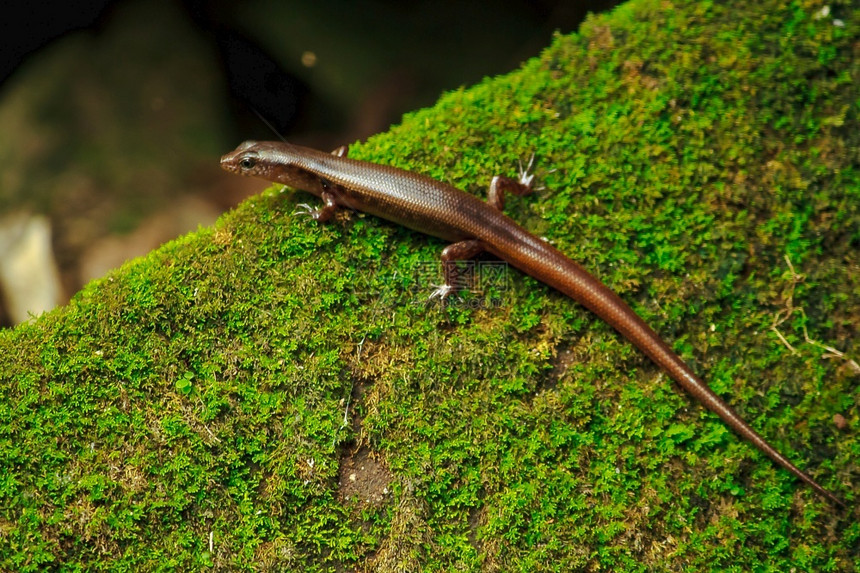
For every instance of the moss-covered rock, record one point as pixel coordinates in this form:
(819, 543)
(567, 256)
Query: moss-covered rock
(270, 394)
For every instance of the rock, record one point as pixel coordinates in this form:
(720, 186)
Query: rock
(29, 280)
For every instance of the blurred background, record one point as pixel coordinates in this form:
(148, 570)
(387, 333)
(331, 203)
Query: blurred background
(113, 114)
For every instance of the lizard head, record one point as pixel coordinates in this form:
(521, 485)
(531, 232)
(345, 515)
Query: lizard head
(273, 161)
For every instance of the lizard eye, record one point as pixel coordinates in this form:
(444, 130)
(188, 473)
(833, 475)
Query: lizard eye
(246, 163)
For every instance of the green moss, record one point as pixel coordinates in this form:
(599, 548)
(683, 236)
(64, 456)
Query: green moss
(224, 387)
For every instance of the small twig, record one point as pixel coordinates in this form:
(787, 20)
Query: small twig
(831, 352)
(349, 397)
(345, 421)
(789, 309)
(360, 347)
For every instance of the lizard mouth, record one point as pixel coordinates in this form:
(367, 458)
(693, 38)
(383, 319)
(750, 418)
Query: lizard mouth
(228, 162)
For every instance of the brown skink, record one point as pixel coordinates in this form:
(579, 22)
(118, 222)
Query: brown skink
(472, 226)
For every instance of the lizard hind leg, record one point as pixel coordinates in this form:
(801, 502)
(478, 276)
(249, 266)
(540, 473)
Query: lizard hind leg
(502, 184)
(455, 277)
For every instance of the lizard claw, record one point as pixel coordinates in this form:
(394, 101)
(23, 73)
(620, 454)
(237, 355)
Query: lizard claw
(527, 178)
(305, 209)
(441, 292)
